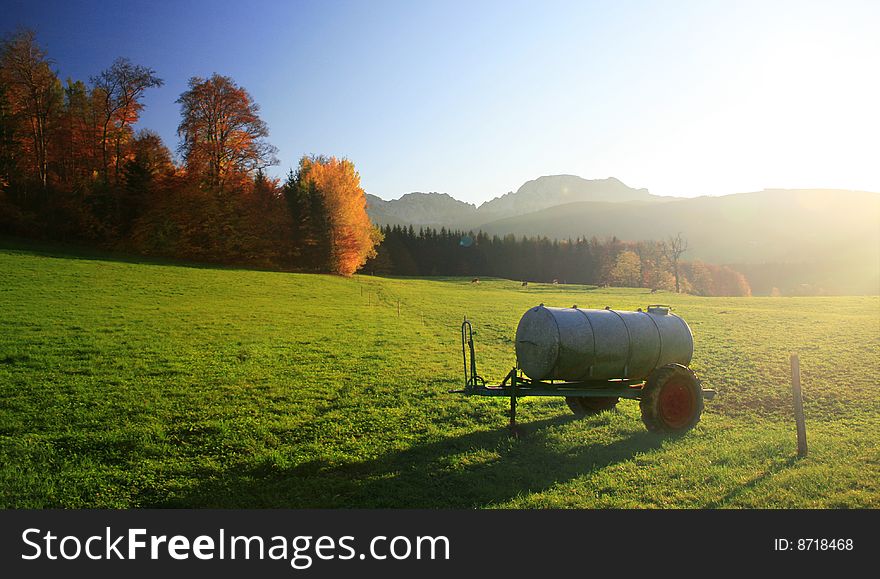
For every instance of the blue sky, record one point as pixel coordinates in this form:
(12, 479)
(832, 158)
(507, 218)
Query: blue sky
(474, 98)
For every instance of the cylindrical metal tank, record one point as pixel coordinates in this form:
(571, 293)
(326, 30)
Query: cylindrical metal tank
(573, 344)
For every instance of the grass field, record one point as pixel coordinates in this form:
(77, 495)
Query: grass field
(146, 385)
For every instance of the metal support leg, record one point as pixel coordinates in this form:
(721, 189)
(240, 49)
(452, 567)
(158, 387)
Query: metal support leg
(513, 428)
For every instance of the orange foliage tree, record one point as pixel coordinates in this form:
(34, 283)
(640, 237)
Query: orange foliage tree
(627, 270)
(706, 279)
(223, 135)
(32, 98)
(353, 237)
(118, 92)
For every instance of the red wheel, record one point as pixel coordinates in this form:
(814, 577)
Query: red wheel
(672, 400)
(677, 403)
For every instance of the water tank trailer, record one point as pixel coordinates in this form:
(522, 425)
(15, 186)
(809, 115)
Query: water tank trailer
(596, 357)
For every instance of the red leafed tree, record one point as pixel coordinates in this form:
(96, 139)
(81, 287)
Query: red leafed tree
(77, 147)
(119, 90)
(223, 137)
(353, 237)
(33, 98)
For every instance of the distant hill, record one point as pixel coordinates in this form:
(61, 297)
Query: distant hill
(440, 209)
(809, 240)
(777, 225)
(555, 190)
(425, 209)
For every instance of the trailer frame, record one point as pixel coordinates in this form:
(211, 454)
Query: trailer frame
(515, 385)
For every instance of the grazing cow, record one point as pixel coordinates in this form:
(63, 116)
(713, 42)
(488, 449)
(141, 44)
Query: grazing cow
(475, 280)
(525, 283)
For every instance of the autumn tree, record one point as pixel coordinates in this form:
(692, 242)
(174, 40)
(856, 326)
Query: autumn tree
(606, 255)
(149, 157)
(700, 276)
(673, 248)
(33, 98)
(263, 225)
(708, 279)
(335, 185)
(222, 135)
(733, 283)
(119, 90)
(661, 279)
(7, 139)
(77, 145)
(627, 270)
(649, 262)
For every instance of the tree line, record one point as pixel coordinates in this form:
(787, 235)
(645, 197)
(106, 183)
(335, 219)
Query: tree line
(657, 265)
(72, 168)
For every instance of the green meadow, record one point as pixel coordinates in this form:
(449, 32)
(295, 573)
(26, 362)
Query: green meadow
(126, 384)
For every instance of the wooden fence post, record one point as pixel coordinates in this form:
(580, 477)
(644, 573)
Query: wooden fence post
(798, 398)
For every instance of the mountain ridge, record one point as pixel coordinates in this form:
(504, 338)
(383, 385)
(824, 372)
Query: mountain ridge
(827, 233)
(419, 208)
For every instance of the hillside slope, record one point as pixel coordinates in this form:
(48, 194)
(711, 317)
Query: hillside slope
(140, 385)
(772, 225)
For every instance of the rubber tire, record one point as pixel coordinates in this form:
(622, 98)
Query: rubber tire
(583, 406)
(651, 399)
